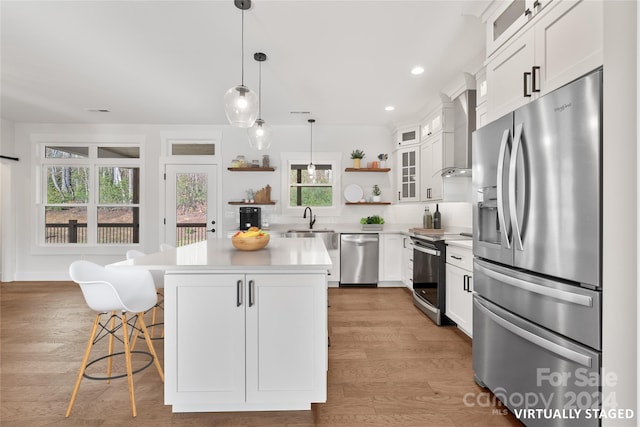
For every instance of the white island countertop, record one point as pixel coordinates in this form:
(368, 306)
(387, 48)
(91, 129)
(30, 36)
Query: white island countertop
(219, 254)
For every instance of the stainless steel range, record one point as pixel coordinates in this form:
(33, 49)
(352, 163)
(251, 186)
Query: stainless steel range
(429, 280)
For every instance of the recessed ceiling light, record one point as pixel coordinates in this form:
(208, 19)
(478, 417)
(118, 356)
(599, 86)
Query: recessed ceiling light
(417, 70)
(389, 108)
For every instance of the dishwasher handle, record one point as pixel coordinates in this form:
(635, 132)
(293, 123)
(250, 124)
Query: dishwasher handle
(359, 239)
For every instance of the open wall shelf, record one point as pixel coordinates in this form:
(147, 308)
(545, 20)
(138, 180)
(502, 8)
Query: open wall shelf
(367, 169)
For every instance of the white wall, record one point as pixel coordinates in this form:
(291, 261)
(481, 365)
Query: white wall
(32, 264)
(7, 229)
(619, 246)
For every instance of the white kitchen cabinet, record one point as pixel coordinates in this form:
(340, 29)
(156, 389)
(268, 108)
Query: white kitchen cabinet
(407, 136)
(459, 292)
(431, 165)
(507, 18)
(569, 42)
(505, 76)
(481, 98)
(245, 341)
(407, 262)
(562, 43)
(439, 119)
(408, 180)
(390, 265)
(334, 271)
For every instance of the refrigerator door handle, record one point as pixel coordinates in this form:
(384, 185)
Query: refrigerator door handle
(525, 285)
(517, 236)
(500, 190)
(564, 352)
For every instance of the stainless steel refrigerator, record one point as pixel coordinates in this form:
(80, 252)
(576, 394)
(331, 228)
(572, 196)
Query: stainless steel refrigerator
(537, 228)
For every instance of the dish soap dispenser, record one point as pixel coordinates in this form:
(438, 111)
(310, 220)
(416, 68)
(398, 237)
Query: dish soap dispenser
(427, 219)
(437, 220)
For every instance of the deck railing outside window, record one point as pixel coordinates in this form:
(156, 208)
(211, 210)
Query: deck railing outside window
(119, 233)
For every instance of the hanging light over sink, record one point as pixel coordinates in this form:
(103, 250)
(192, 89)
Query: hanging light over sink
(311, 168)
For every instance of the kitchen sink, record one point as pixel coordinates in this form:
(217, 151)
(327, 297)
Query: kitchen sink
(330, 238)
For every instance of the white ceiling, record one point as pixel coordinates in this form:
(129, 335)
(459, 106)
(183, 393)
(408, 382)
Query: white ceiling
(170, 62)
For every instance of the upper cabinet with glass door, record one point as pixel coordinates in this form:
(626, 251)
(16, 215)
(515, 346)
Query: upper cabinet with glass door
(408, 181)
(407, 136)
(505, 18)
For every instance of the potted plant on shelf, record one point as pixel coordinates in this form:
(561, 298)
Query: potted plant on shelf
(357, 155)
(382, 160)
(372, 223)
(376, 193)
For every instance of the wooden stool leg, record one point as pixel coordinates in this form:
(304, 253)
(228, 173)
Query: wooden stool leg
(127, 355)
(151, 348)
(83, 366)
(111, 338)
(153, 320)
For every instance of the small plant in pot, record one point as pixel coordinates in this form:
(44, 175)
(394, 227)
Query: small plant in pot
(357, 155)
(374, 222)
(376, 193)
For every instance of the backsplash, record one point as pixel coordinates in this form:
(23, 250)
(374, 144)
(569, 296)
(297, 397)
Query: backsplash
(454, 215)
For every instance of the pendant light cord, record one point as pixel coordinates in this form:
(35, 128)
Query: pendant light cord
(242, 49)
(311, 150)
(260, 89)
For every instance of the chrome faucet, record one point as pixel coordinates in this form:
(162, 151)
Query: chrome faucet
(312, 217)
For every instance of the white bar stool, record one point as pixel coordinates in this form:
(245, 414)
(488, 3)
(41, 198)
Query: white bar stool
(115, 292)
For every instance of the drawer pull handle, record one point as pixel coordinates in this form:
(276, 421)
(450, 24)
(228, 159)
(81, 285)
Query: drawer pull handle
(456, 257)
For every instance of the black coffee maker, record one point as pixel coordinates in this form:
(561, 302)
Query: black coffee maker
(250, 217)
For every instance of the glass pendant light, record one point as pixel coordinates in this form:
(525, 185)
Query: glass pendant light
(260, 132)
(240, 102)
(311, 168)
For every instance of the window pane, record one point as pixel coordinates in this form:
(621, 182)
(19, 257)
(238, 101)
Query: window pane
(311, 196)
(67, 184)
(118, 152)
(65, 225)
(119, 185)
(51, 152)
(299, 175)
(193, 149)
(118, 225)
(191, 208)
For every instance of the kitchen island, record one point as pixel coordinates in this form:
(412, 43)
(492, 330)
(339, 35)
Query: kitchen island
(244, 331)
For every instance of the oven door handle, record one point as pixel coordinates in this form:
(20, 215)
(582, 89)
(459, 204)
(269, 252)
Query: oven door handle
(564, 352)
(426, 250)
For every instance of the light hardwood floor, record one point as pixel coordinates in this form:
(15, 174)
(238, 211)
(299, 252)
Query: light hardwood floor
(388, 366)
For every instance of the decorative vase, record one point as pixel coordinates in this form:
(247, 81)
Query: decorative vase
(376, 199)
(382, 164)
(356, 163)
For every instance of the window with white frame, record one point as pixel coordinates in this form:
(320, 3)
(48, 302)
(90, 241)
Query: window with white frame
(318, 190)
(90, 194)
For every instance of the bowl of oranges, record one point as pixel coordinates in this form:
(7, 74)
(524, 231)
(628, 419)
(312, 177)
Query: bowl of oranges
(252, 239)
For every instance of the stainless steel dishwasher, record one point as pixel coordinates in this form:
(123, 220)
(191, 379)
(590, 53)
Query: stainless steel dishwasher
(359, 259)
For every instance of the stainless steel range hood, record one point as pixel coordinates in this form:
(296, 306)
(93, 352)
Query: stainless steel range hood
(458, 158)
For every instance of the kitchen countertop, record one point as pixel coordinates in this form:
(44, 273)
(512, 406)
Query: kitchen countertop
(219, 254)
(468, 244)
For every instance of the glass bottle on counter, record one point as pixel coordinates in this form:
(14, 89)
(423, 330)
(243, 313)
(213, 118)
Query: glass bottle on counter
(437, 220)
(427, 219)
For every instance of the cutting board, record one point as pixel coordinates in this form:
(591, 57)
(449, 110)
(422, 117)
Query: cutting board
(426, 230)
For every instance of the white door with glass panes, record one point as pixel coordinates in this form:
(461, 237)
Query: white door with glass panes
(190, 203)
(408, 174)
